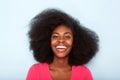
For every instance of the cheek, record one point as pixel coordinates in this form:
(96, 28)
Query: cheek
(53, 42)
(70, 42)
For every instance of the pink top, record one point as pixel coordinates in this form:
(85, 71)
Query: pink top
(40, 71)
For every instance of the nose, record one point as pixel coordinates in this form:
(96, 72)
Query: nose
(61, 40)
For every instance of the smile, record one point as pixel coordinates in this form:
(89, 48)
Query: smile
(61, 48)
(64, 47)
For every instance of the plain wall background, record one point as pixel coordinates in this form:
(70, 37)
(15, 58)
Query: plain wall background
(102, 16)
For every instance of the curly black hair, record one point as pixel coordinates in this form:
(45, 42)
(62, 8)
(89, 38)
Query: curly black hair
(85, 41)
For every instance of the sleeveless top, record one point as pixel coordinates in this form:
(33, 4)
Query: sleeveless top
(40, 71)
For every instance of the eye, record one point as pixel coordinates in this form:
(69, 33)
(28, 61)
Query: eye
(55, 37)
(67, 37)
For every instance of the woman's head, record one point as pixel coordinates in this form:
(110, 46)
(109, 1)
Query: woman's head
(61, 41)
(83, 45)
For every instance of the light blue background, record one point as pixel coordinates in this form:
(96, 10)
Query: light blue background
(102, 16)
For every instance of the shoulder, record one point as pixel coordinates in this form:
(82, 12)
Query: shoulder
(38, 68)
(82, 71)
(81, 68)
(39, 65)
(37, 71)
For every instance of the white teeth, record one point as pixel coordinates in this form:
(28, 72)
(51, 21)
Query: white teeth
(61, 47)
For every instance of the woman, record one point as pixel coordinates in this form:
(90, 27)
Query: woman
(62, 46)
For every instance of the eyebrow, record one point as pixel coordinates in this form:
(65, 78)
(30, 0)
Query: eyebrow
(64, 33)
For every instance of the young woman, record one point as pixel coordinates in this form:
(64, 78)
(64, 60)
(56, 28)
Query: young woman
(62, 46)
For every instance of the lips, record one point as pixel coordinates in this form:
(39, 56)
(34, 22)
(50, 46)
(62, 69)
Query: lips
(61, 48)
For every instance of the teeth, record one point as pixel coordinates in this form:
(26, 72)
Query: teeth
(61, 47)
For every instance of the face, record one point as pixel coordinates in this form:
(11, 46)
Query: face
(61, 41)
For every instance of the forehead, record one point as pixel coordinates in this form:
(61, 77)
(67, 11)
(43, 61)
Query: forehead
(62, 28)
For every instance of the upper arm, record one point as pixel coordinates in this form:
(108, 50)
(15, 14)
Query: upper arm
(32, 73)
(87, 73)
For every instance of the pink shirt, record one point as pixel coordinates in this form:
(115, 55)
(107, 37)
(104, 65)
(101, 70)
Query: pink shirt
(40, 71)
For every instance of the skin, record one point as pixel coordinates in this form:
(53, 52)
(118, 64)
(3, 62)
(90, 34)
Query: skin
(59, 68)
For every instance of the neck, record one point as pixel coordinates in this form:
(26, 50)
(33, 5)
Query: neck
(60, 62)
